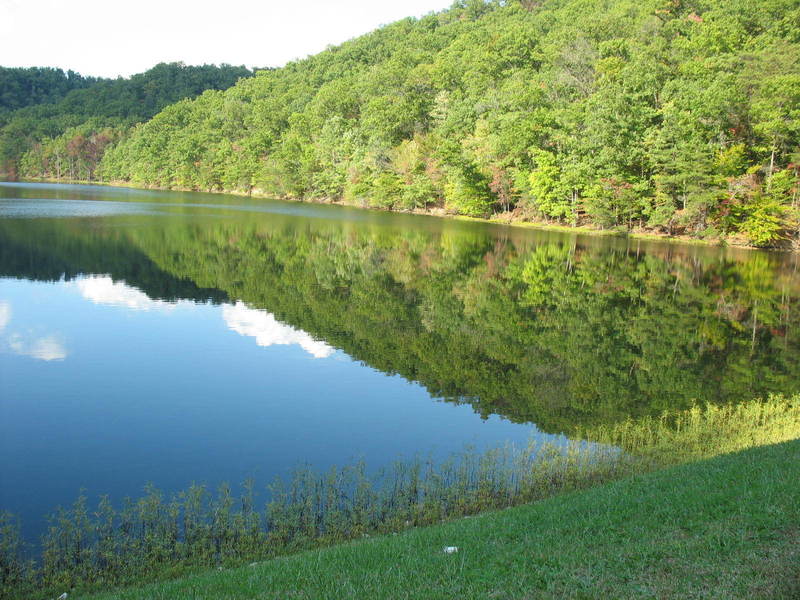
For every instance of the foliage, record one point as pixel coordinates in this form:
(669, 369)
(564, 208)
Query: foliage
(21, 87)
(675, 118)
(50, 117)
(73, 155)
(636, 116)
(763, 222)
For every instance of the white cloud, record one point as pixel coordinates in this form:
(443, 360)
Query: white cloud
(45, 348)
(5, 314)
(101, 289)
(268, 331)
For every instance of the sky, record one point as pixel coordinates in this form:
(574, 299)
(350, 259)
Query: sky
(112, 38)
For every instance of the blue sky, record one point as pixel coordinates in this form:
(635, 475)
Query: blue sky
(110, 38)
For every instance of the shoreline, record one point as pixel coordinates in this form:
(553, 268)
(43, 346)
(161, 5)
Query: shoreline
(704, 508)
(650, 236)
(326, 510)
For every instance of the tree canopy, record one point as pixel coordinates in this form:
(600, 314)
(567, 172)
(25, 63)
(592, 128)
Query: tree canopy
(41, 133)
(21, 87)
(675, 116)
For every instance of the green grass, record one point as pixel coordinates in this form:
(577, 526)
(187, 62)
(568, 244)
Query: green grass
(727, 527)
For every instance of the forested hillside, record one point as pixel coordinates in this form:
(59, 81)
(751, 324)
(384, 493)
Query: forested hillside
(21, 87)
(66, 131)
(674, 116)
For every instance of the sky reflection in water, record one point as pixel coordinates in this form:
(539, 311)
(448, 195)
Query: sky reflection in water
(177, 337)
(106, 389)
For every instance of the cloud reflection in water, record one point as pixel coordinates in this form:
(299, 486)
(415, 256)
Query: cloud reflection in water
(102, 289)
(268, 331)
(246, 321)
(45, 348)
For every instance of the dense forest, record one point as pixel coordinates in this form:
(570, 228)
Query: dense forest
(21, 87)
(63, 123)
(670, 116)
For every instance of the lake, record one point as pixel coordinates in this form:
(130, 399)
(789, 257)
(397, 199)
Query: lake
(173, 338)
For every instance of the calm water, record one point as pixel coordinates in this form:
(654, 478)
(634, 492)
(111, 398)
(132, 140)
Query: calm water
(176, 338)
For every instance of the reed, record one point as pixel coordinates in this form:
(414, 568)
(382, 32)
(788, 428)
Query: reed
(156, 537)
(703, 431)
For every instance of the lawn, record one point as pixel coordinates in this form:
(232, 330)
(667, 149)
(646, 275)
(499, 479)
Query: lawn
(728, 527)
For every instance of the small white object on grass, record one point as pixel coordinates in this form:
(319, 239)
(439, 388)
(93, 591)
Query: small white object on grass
(62, 596)
(450, 549)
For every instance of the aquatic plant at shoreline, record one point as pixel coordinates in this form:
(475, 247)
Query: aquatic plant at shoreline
(703, 431)
(155, 537)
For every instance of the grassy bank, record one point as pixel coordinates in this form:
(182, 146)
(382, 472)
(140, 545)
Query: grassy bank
(155, 538)
(727, 527)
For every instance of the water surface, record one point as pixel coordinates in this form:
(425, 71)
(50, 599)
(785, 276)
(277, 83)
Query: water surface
(176, 338)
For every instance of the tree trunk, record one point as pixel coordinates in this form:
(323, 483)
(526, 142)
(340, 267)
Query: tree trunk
(771, 167)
